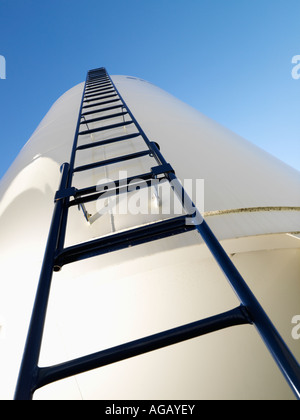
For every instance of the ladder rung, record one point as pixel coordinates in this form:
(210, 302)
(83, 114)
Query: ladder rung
(94, 85)
(108, 141)
(95, 80)
(124, 239)
(113, 189)
(112, 161)
(102, 103)
(86, 195)
(234, 317)
(102, 97)
(104, 92)
(97, 73)
(107, 127)
(100, 85)
(97, 86)
(110, 186)
(97, 111)
(97, 89)
(96, 76)
(105, 117)
(98, 70)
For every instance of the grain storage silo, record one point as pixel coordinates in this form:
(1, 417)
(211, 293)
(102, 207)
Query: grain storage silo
(131, 269)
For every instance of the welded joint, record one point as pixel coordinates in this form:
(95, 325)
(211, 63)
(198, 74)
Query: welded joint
(246, 314)
(65, 193)
(161, 170)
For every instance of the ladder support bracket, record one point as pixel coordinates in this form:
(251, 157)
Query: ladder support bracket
(162, 169)
(65, 193)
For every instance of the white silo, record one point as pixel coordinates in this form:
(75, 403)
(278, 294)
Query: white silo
(251, 202)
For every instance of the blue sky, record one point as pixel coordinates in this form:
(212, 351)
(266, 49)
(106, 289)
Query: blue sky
(230, 59)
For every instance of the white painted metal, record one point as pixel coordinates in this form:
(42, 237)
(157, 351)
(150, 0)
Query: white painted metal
(252, 202)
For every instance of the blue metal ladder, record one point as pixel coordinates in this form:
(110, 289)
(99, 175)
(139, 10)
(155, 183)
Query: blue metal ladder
(101, 96)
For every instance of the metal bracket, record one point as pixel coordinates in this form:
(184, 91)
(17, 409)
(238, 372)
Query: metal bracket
(162, 169)
(68, 192)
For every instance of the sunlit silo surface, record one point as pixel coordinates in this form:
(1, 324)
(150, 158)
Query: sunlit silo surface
(251, 203)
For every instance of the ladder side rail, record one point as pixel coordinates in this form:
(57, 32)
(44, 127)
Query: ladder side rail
(62, 236)
(26, 383)
(75, 142)
(274, 342)
(29, 367)
(279, 350)
(277, 347)
(139, 128)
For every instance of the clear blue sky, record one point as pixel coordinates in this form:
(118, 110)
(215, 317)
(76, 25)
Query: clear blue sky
(230, 59)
